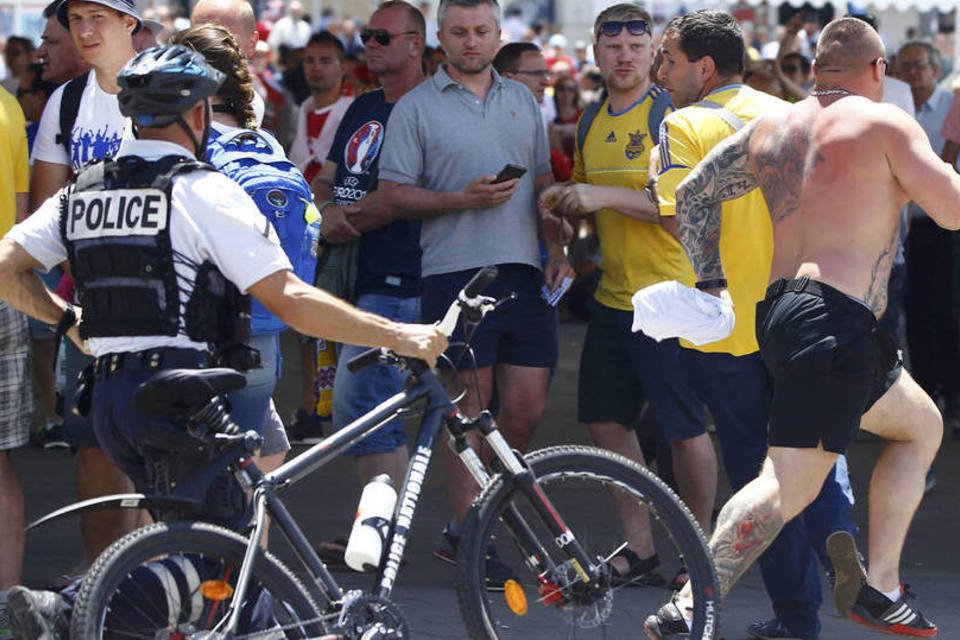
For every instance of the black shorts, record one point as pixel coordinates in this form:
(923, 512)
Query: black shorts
(829, 361)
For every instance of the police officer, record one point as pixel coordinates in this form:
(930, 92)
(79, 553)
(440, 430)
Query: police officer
(164, 249)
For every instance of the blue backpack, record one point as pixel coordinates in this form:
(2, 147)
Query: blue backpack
(257, 162)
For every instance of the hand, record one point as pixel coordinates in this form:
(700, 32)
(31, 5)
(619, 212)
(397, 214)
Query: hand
(482, 193)
(578, 200)
(549, 197)
(423, 341)
(74, 334)
(334, 227)
(556, 269)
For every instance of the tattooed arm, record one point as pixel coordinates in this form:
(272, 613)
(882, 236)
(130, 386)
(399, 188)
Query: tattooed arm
(724, 174)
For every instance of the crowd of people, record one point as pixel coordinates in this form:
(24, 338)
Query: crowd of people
(628, 145)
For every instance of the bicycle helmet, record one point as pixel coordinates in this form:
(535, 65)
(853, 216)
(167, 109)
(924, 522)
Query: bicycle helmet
(162, 83)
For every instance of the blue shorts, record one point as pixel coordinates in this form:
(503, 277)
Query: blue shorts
(252, 406)
(520, 332)
(354, 394)
(620, 369)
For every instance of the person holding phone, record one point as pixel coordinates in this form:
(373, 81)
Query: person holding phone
(446, 142)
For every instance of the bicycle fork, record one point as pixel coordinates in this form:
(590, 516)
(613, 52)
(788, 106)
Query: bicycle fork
(536, 556)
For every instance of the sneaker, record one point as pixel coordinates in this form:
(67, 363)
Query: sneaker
(37, 614)
(498, 572)
(668, 622)
(49, 436)
(899, 618)
(775, 630)
(306, 428)
(6, 633)
(849, 575)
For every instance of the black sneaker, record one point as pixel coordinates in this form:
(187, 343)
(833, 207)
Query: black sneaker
(775, 630)
(306, 428)
(849, 575)
(497, 571)
(49, 436)
(900, 618)
(37, 614)
(668, 622)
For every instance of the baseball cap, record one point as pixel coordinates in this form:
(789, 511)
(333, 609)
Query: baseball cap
(123, 6)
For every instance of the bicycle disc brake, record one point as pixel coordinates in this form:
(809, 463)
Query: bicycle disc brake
(369, 617)
(584, 606)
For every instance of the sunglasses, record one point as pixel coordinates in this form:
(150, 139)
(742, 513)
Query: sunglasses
(612, 28)
(382, 36)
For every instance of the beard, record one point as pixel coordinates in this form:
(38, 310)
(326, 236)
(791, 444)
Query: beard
(472, 65)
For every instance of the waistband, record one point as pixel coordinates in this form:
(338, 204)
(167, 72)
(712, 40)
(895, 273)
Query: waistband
(151, 360)
(818, 289)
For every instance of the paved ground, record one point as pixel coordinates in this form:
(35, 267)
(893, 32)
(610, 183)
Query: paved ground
(324, 505)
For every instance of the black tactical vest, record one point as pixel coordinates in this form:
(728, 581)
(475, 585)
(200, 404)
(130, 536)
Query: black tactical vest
(115, 223)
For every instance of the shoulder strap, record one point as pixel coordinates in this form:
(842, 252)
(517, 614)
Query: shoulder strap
(723, 113)
(586, 119)
(70, 107)
(658, 111)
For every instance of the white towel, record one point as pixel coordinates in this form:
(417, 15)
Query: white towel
(670, 310)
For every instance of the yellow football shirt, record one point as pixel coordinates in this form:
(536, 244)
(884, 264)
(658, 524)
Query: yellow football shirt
(14, 167)
(634, 254)
(746, 234)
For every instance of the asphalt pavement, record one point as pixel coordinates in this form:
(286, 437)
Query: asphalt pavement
(325, 502)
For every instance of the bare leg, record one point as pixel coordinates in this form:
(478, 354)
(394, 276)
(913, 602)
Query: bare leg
(44, 385)
(754, 516)
(393, 463)
(695, 470)
(11, 524)
(95, 475)
(908, 419)
(461, 486)
(634, 519)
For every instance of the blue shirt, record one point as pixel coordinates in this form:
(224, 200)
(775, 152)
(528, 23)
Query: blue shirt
(931, 115)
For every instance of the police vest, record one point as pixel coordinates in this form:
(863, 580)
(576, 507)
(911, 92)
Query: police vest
(115, 223)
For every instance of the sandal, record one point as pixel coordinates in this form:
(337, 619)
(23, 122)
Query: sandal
(640, 573)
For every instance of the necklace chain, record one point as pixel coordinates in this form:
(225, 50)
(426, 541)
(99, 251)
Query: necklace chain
(830, 92)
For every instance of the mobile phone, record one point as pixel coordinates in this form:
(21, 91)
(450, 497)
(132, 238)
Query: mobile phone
(509, 172)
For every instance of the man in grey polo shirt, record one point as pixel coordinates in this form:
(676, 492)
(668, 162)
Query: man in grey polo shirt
(446, 141)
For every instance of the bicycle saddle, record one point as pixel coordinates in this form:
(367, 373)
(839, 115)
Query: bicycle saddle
(183, 392)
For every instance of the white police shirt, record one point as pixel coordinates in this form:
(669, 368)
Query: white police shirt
(211, 218)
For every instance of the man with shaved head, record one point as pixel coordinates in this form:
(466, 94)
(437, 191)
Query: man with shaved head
(834, 170)
(236, 16)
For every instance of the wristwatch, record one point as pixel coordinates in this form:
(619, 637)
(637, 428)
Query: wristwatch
(67, 320)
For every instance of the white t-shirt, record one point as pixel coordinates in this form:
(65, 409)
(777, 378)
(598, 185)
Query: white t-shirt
(316, 129)
(211, 218)
(97, 132)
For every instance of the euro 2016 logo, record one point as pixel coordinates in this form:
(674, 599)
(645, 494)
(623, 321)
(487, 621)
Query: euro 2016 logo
(634, 148)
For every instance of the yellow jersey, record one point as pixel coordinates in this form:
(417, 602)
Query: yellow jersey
(634, 254)
(14, 166)
(746, 232)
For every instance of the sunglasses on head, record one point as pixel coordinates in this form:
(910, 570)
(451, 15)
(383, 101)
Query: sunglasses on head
(382, 36)
(612, 28)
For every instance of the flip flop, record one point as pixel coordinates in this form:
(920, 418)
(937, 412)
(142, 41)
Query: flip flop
(640, 573)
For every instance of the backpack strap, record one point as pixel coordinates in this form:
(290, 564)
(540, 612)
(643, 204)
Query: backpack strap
(723, 113)
(586, 119)
(70, 107)
(658, 111)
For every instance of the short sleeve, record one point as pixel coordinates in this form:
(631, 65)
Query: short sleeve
(679, 153)
(39, 234)
(401, 159)
(951, 124)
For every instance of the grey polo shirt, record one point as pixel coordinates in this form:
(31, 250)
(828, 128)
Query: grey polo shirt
(442, 136)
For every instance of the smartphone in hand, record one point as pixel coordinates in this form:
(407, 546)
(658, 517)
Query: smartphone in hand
(509, 172)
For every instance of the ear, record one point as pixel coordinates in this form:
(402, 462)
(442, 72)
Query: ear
(194, 117)
(707, 66)
(130, 22)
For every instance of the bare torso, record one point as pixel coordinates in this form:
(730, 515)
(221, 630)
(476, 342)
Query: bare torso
(832, 194)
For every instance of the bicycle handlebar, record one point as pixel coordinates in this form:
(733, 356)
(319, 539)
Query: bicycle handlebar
(468, 298)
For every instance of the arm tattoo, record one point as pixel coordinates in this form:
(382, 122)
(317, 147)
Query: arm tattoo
(745, 527)
(724, 174)
(876, 295)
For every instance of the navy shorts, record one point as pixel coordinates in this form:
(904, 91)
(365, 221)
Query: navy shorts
(829, 359)
(619, 369)
(520, 332)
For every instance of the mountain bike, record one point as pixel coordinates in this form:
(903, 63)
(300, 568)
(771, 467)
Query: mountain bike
(551, 516)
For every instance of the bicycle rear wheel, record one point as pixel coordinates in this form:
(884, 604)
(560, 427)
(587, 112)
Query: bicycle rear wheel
(177, 579)
(586, 486)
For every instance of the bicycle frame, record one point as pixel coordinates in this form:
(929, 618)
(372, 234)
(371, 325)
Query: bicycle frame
(439, 411)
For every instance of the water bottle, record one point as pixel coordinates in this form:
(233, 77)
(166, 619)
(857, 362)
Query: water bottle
(308, 246)
(372, 524)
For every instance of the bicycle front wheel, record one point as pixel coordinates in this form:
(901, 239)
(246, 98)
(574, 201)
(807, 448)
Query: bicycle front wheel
(173, 580)
(508, 590)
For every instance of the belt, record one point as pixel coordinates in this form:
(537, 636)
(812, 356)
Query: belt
(151, 360)
(802, 285)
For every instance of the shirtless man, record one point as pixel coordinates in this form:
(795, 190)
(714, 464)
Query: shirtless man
(835, 170)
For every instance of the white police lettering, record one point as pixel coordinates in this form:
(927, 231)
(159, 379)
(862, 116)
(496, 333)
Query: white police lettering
(98, 214)
(411, 493)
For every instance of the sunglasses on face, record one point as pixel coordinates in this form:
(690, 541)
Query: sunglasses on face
(612, 28)
(382, 36)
